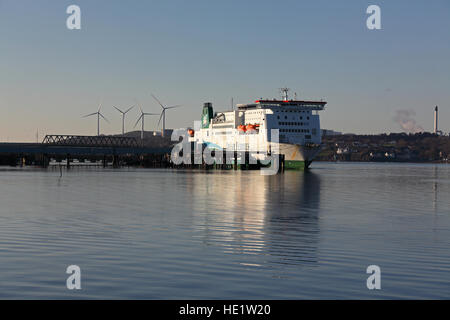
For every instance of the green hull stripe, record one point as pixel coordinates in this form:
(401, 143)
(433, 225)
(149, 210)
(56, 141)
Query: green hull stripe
(296, 165)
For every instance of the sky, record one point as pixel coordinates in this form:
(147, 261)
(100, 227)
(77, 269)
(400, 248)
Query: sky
(190, 52)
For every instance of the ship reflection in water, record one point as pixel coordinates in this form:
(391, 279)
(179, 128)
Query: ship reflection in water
(175, 234)
(274, 217)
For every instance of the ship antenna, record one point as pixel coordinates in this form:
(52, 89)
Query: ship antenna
(284, 93)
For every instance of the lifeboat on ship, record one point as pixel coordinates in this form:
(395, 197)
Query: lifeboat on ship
(242, 129)
(251, 128)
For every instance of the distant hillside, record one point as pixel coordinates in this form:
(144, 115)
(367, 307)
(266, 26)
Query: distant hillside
(419, 147)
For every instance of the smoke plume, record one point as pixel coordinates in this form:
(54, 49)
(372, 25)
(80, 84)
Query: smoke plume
(405, 118)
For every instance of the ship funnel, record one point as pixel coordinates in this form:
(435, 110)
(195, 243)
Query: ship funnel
(207, 114)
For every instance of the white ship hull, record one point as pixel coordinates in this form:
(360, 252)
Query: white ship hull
(298, 156)
(250, 128)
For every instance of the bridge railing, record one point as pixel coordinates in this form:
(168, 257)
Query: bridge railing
(90, 141)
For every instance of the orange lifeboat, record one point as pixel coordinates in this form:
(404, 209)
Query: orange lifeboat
(251, 128)
(241, 128)
(190, 132)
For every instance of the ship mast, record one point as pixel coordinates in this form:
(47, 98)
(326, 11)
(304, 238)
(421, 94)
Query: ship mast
(284, 93)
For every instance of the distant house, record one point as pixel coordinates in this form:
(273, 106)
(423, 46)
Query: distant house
(390, 155)
(343, 151)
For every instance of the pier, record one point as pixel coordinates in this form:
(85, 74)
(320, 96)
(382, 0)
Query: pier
(117, 150)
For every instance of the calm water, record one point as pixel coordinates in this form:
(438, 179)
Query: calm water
(157, 234)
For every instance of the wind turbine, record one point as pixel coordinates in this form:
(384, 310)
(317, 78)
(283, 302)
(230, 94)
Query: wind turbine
(123, 117)
(99, 114)
(163, 114)
(141, 117)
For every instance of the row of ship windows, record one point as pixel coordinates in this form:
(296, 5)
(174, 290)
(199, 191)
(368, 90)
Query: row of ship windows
(285, 117)
(219, 133)
(293, 123)
(284, 139)
(296, 111)
(295, 130)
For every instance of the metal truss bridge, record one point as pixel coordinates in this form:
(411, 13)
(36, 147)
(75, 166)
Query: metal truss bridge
(90, 141)
(82, 145)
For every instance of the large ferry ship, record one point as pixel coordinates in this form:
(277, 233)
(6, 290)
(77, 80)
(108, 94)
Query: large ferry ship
(249, 128)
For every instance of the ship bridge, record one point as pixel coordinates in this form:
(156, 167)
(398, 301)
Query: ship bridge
(302, 104)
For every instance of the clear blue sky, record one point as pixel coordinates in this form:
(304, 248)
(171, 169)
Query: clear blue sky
(189, 52)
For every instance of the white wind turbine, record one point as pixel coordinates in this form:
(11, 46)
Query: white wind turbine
(123, 117)
(99, 114)
(142, 117)
(163, 114)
